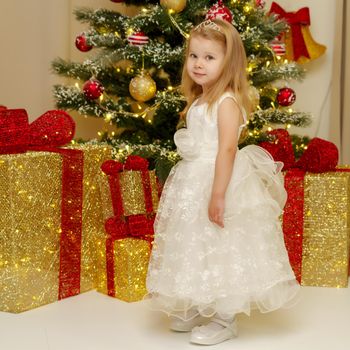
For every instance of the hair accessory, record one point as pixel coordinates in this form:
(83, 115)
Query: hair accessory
(208, 24)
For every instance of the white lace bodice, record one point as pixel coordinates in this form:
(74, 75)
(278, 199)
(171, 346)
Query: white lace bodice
(200, 139)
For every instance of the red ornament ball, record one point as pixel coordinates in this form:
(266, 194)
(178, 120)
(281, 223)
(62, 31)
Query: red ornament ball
(138, 39)
(260, 3)
(80, 43)
(286, 97)
(220, 11)
(93, 89)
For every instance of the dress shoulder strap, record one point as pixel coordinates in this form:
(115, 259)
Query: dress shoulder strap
(231, 95)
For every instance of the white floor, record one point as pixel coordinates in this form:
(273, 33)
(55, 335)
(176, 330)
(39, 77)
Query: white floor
(93, 321)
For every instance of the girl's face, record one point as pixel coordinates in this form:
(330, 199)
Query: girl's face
(204, 61)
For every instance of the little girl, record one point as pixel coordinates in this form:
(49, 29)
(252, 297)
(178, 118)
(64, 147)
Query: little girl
(219, 247)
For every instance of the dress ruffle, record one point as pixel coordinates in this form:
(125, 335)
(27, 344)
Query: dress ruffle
(197, 264)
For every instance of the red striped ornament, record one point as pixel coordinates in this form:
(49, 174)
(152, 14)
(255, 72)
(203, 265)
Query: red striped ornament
(138, 39)
(278, 47)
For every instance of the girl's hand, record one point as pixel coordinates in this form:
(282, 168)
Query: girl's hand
(216, 210)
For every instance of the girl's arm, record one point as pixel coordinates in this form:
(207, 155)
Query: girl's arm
(229, 119)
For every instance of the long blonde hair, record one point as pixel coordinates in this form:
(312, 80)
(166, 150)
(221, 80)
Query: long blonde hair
(233, 74)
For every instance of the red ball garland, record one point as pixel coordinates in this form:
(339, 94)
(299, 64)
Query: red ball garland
(93, 89)
(81, 44)
(286, 97)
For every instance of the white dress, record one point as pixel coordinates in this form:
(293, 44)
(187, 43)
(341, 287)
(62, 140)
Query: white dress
(197, 264)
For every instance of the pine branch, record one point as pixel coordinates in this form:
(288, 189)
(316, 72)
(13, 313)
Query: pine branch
(260, 118)
(265, 75)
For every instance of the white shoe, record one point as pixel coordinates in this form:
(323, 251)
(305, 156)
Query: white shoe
(207, 335)
(178, 325)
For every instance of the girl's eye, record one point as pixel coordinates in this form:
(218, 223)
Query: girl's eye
(193, 55)
(209, 57)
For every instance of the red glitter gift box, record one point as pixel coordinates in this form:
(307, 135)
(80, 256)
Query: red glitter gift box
(316, 219)
(129, 207)
(50, 211)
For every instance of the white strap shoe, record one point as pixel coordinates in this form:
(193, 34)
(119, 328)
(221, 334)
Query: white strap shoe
(210, 334)
(179, 325)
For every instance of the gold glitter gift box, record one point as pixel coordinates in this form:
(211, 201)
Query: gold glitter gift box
(316, 225)
(129, 204)
(34, 269)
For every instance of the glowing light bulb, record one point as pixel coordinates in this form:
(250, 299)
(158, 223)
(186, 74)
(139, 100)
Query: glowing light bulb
(108, 117)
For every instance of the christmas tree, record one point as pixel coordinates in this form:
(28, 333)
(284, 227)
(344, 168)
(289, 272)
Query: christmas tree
(131, 76)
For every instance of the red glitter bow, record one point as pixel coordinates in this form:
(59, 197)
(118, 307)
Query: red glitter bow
(319, 157)
(133, 226)
(52, 129)
(295, 20)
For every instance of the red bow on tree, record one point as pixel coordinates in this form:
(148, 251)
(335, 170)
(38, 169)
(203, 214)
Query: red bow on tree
(295, 20)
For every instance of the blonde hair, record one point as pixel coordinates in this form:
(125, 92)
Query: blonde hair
(233, 74)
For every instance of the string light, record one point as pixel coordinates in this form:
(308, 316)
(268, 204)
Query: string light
(108, 117)
(247, 8)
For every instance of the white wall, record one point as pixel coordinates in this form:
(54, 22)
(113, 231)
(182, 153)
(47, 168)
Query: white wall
(314, 93)
(33, 33)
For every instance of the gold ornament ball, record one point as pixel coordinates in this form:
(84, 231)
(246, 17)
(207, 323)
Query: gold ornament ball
(142, 88)
(175, 5)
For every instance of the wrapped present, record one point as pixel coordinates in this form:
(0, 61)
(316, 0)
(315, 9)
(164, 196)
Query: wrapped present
(129, 207)
(316, 218)
(50, 212)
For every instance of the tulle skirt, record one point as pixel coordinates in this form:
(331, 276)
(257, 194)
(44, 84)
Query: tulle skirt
(196, 264)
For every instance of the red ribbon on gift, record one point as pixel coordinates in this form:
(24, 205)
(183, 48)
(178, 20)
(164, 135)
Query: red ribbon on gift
(295, 20)
(320, 156)
(50, 131)
(119, 226)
